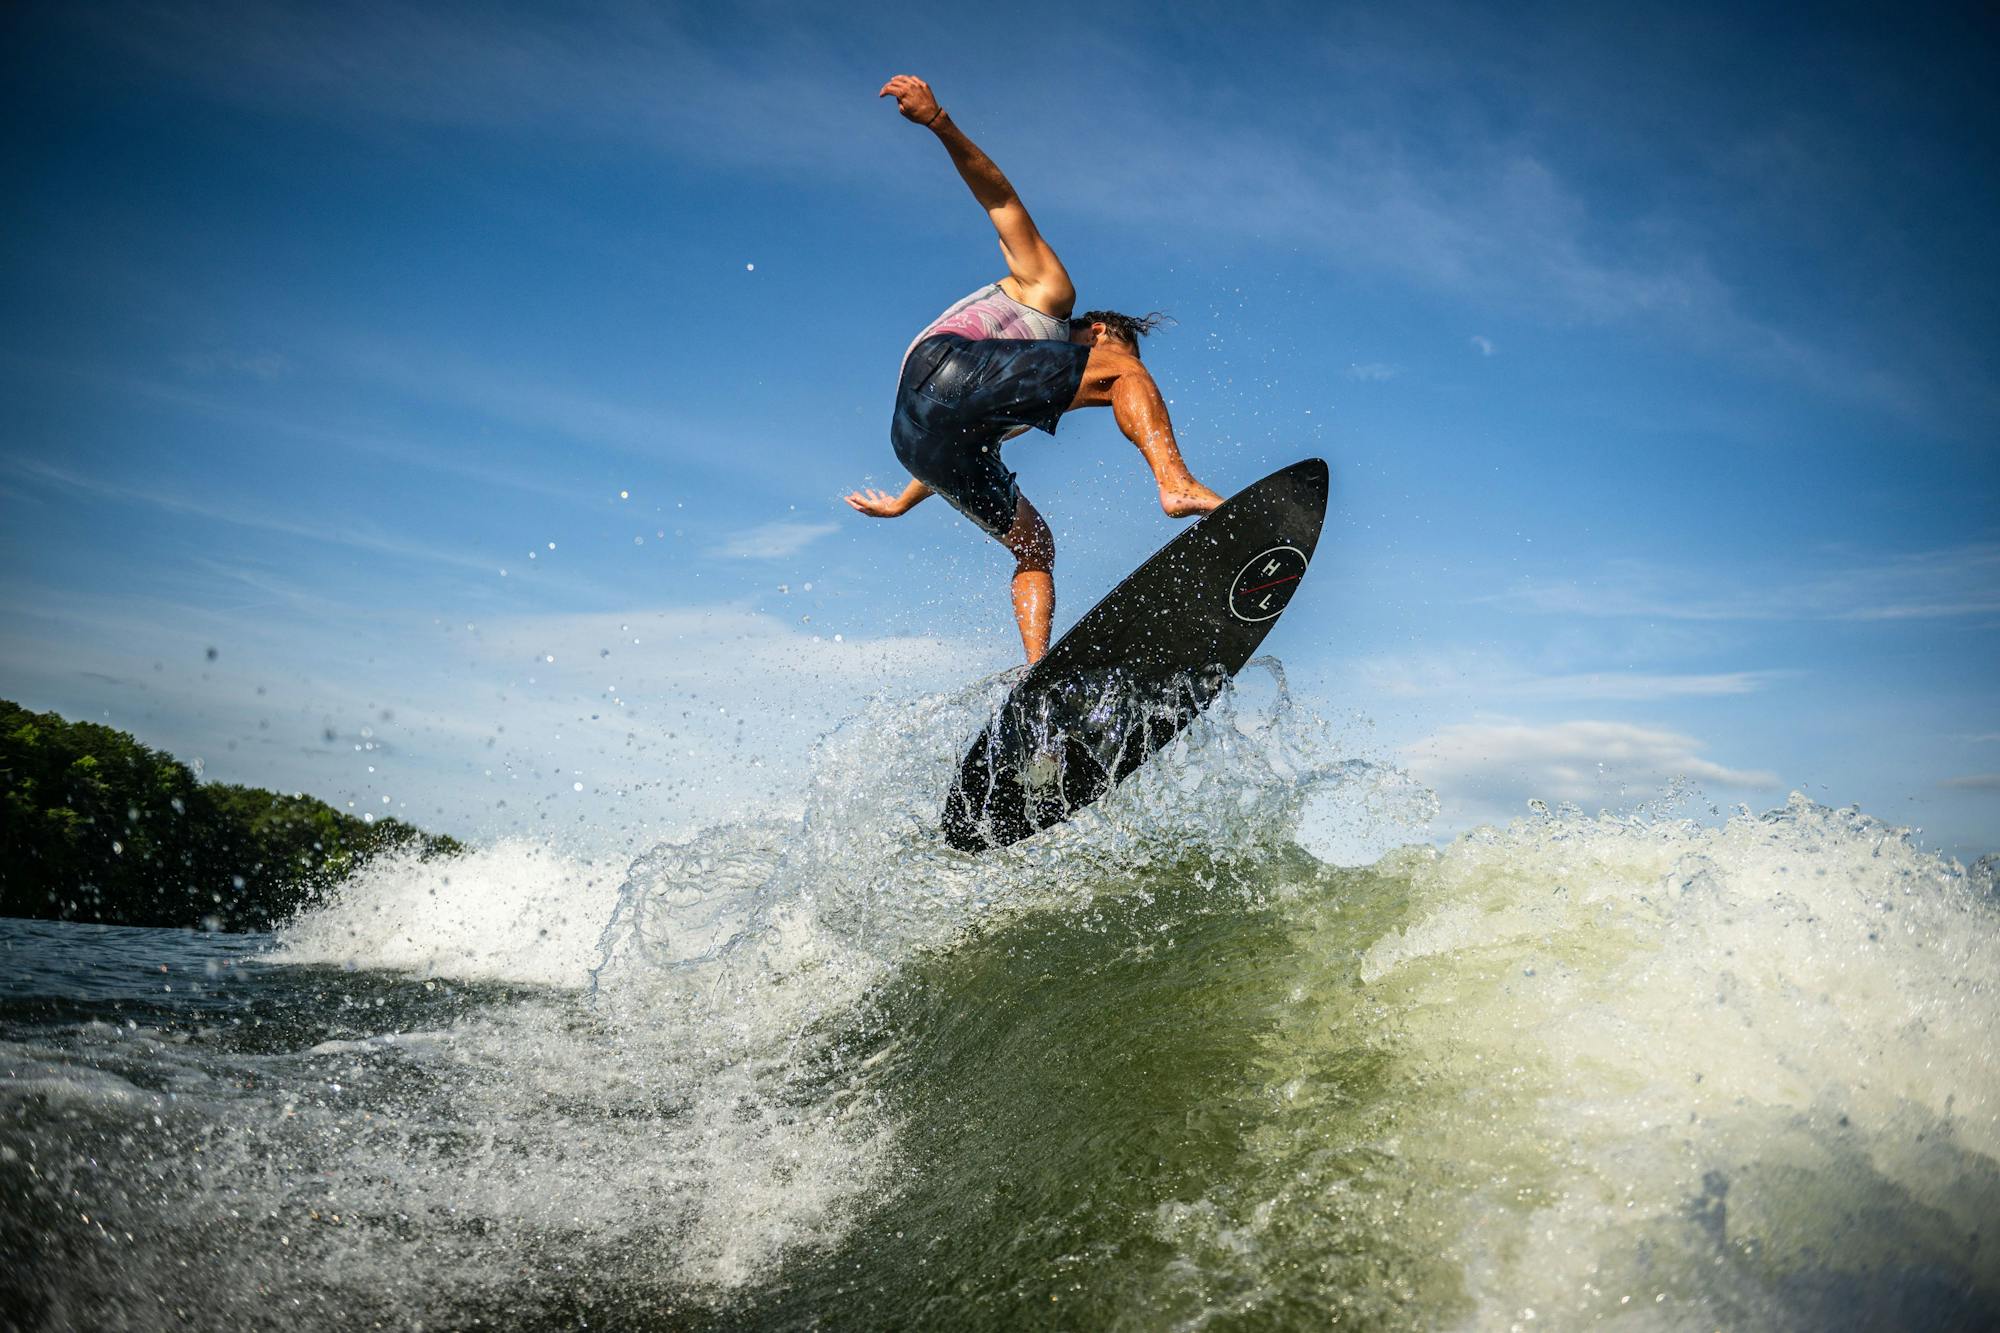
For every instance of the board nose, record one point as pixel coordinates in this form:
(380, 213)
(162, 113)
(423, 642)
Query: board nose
(1313, 474)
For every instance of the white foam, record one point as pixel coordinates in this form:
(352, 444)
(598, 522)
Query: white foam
(514, 911)
(734, 955)
(1675, 1075)
(708, 1106)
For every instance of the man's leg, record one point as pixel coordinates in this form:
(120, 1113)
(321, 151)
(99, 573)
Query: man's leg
(1114, 377)
(1034, 548)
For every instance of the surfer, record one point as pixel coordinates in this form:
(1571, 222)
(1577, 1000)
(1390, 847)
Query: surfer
(1007, 358)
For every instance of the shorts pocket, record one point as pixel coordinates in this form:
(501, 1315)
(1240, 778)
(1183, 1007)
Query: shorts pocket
(954, 376)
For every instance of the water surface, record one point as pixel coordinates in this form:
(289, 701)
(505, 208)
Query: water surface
(1159, 1070)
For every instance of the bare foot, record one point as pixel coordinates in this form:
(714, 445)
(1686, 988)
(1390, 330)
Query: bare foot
(1188, 498)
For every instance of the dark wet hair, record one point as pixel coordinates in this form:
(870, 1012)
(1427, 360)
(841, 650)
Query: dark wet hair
(1125, 328)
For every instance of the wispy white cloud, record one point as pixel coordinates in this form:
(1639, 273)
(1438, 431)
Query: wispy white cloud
(1483, 344)
(1583, 761)
(537, 408)
(1640, 685)
(253, 425)
(749, 659)
(351, 536)
(1498, 224)
(265, 365)
(774, 541)
(1949, 582)
(1373, 372)
(528, 403)
(1494, 679)
(602, 70)
(1492, 219)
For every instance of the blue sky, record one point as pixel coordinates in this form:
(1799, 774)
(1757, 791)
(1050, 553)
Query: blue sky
(1651, 346)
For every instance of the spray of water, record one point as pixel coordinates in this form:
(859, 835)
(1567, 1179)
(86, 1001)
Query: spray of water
(1154, 1066)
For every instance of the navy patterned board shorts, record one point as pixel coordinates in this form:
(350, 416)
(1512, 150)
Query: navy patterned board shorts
(957, 400)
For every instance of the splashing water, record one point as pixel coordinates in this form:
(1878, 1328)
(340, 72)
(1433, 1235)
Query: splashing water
(1157, 1068)
(868, 866)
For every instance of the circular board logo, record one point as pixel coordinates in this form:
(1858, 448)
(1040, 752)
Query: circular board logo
(1267, 583)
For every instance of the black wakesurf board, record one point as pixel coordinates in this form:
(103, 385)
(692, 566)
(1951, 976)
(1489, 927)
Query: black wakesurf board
(1140, 665)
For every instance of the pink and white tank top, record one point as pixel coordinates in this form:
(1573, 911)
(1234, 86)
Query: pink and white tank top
(991, 313)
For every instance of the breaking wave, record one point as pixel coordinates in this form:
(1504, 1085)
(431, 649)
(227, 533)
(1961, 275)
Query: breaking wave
(1156, 1068)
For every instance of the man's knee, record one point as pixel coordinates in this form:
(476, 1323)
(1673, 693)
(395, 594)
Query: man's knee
(1033, 545)
(1036, 553)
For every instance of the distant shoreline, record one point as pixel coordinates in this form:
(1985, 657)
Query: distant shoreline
(99, 828)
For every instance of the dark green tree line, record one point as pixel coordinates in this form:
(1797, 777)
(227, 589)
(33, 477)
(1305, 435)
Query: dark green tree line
(97, 827)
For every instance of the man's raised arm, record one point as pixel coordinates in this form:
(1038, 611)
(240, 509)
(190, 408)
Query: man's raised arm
(1035, 277)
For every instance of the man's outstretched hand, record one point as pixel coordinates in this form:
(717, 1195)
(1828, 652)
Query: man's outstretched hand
(881, 504)
(877, 504)
(913, 98)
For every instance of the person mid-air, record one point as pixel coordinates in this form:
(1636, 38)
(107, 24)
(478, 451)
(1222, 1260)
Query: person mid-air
(1006, 358)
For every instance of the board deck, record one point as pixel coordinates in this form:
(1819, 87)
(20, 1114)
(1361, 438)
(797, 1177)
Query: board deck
(1140, 665)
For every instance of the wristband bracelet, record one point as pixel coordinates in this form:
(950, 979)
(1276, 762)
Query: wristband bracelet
(934, 117)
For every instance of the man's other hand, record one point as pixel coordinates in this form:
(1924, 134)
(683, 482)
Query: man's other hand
(876, 504)
(913, 98)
